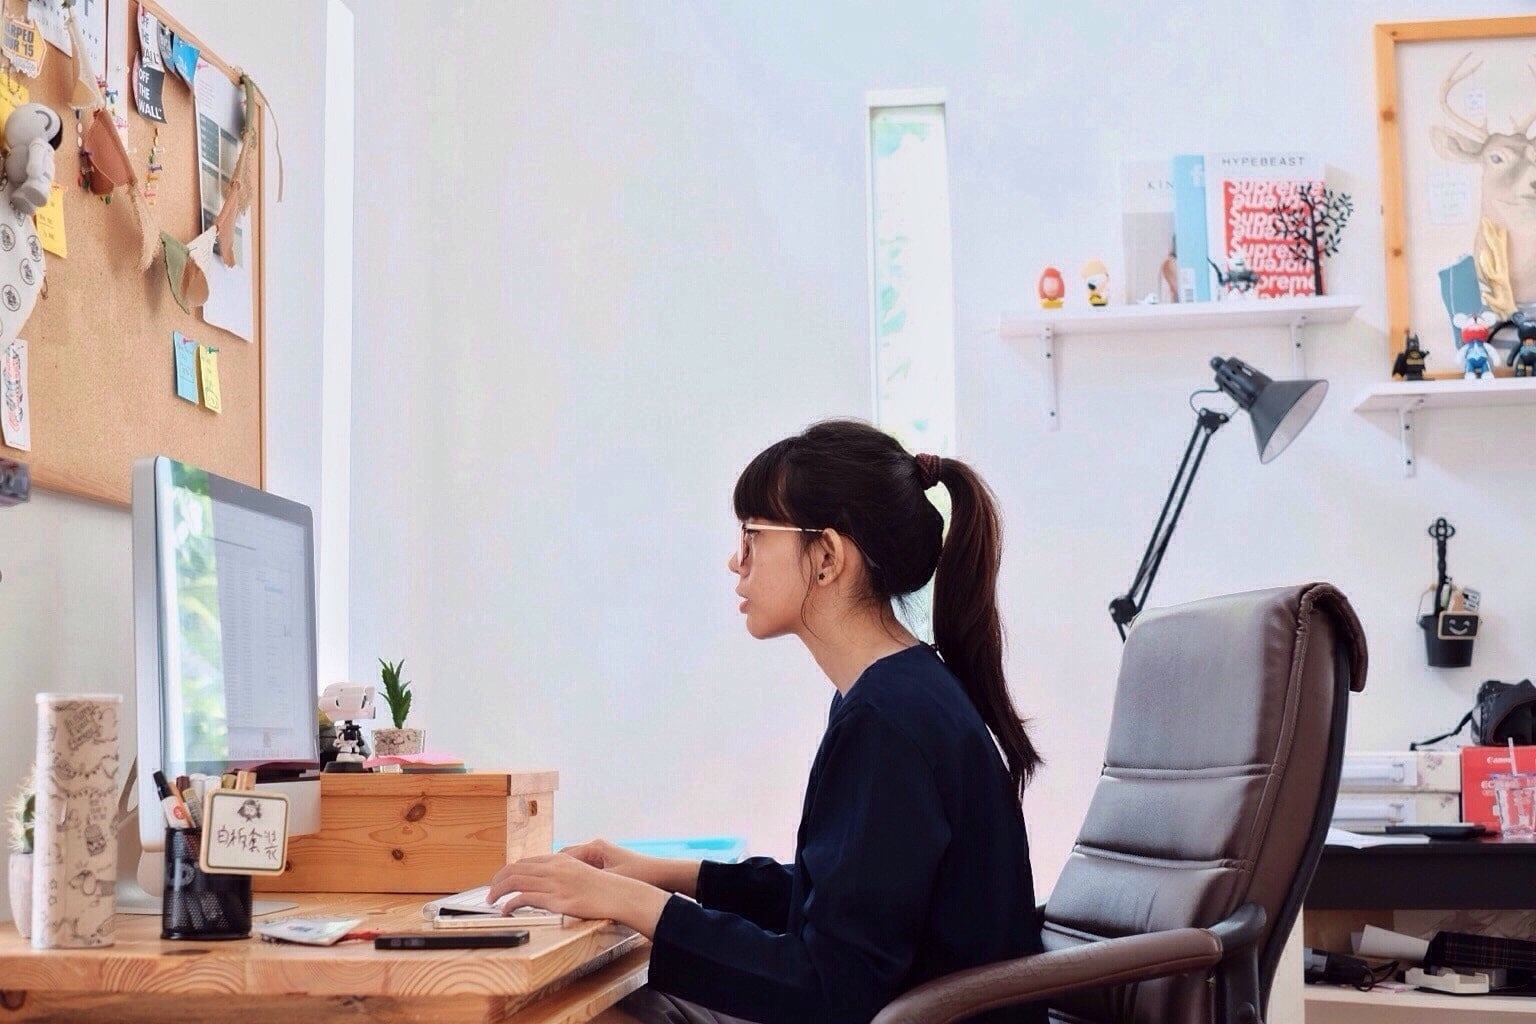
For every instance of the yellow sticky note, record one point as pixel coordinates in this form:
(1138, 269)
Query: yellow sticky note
(208, 364)
(12, 94)
(50, 222)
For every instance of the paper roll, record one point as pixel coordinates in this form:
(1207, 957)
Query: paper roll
(1381, 944)
(75, 860)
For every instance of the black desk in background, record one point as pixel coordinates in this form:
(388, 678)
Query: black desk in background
(1442, 874)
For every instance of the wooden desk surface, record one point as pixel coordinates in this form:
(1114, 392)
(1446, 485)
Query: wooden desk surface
(564, 974)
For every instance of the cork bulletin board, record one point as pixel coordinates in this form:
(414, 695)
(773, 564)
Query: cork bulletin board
(102, 376)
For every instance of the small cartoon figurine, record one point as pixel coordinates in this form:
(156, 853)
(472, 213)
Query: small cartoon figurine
(1409, 364)
(1238, 279)
(1523, 356)
(32, 132)
(347, 702)
(1472, 349)
(1096, 275)
(1052, 288)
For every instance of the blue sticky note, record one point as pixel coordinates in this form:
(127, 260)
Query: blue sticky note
(184, 59)
(186, 367)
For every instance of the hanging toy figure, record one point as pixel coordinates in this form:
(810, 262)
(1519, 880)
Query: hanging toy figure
(1523, 356)
(1409, 364)
(1096, 277)
(1472, 348)
(1239, 279)
(1052, 288)
(32, 132)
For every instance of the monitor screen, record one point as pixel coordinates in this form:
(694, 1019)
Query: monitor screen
(225, 623)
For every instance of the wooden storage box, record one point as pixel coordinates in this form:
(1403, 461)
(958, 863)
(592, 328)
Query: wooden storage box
(427, 833)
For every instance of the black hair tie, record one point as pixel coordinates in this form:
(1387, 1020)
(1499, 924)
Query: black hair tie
(928, 469)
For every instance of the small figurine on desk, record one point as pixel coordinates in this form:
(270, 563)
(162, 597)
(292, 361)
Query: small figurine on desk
(1096, 276)
(1052, 288)
(32, 132)
(1472, 349)
(345, 703)
(1239, 279)
(1523, 356)
(1409, 364)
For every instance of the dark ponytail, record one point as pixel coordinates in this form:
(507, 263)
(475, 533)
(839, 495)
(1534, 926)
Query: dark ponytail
(859, 481)
(966, 627)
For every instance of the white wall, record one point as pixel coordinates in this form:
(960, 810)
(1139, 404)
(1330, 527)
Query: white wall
(633, 253)
(66, 601)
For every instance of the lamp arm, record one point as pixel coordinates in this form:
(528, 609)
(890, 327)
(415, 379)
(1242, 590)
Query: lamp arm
(1124, 609)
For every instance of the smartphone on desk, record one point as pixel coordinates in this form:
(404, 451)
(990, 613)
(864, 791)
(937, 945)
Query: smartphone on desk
(1450, 830)
(452, 940)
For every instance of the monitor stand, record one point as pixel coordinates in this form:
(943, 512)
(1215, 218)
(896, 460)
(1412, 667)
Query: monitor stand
(141, 895)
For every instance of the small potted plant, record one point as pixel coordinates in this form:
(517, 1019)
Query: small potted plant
(23, 811)
(397, 694)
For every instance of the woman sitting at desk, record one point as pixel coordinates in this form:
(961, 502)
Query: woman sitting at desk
(911, 860)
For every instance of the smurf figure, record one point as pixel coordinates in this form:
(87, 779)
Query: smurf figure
(1472, 349)
(1523, 356)
(32, 132)
(1409, 364)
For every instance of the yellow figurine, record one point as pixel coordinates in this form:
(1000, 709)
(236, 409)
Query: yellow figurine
(1097, 277)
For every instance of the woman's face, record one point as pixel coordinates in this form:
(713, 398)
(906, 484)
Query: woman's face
(773, 573)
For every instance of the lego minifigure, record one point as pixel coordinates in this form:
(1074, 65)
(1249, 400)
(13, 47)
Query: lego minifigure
(1409, 364)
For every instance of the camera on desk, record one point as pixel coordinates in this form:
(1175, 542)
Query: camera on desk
(346, 704)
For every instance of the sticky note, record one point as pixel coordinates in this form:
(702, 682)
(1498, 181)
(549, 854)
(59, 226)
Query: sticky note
(50, 222)
(12, 95)
(208, 364)
(186, 366)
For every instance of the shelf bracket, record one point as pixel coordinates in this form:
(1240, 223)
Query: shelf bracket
(1298, 347)
(1048, 376)
(1405, 432)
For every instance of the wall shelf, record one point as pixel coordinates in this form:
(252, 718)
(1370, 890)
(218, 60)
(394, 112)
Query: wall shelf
(1407, 397)
(1046, 325)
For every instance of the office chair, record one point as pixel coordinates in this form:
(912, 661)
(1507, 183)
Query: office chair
(1224, 754)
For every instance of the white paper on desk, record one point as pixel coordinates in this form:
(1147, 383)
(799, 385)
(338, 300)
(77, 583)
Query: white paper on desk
(1339, 837)
(1382, 944)
(472, 901)
(220, 106)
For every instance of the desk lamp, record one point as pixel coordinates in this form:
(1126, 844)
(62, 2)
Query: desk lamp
(1279, 410)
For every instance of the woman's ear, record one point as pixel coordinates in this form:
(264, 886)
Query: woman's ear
(830, 555)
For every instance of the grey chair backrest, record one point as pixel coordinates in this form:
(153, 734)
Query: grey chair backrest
(1219, 779)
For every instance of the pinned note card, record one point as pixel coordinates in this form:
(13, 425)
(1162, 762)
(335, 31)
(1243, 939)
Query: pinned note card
(208, 366)
(185, 350)
(244, 833)
(50, 222)
(15, 414)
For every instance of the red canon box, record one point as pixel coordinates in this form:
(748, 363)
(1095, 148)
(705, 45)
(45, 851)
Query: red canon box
(1477, 764)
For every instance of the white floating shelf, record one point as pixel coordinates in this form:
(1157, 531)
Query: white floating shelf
(1407, 397)
(1045, 325)
(1180, 316)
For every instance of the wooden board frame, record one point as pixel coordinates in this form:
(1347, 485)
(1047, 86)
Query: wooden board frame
(102, 380)
(1387, 36)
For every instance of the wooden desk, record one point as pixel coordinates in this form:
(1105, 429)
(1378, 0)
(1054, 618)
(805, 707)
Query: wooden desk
(562, 976)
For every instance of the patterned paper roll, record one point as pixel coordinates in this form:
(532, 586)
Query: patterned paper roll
(74, 864)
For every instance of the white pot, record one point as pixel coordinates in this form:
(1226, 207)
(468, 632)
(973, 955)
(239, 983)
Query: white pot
(398, 741)
(21, 893)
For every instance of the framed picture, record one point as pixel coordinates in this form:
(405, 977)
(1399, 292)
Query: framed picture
(1457, 104)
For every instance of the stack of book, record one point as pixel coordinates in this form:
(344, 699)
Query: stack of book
(416, 763)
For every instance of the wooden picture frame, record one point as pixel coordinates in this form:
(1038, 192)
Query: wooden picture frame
(1431, 204)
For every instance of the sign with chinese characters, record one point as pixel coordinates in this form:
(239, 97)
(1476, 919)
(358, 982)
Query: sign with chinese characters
(245, 832)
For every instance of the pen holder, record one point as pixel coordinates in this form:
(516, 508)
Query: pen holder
(198, 905)
(1444, 652)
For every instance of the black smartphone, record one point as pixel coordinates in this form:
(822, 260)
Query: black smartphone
(452, 940)
(1456, 830)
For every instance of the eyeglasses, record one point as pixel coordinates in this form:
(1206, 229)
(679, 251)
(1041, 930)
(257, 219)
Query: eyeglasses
(745, 551)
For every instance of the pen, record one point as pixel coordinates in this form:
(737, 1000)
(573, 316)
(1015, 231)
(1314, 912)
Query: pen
(175, 811)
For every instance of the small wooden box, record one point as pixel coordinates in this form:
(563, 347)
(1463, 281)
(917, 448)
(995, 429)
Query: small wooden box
(427, 833)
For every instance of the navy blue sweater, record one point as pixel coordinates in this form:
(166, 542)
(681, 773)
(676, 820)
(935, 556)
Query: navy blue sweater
(911, 862)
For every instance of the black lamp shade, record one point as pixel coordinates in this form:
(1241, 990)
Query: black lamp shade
(1279, 409)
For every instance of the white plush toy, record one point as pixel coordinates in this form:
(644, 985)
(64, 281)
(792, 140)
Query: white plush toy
(32, 133)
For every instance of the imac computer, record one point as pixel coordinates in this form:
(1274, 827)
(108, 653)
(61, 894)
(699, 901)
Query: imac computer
(224, 636)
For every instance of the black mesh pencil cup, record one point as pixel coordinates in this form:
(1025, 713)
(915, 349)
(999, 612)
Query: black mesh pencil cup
(198, 905)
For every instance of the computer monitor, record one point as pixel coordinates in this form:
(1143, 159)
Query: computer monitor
(224, 625)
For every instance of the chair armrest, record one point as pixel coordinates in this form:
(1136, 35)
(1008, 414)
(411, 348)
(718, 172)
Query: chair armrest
(1045, 975)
